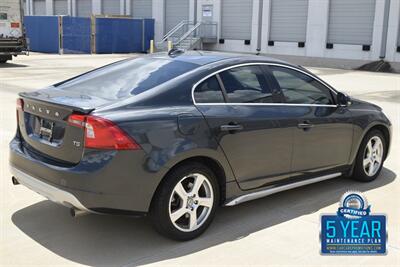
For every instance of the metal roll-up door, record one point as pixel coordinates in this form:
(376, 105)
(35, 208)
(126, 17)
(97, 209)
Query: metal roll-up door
(83, 8)
(60, 7)
(351, 22)
(236, 19)
(141, 8)
(288, 20)
(39, 7)
(111, 7)
(175, 12)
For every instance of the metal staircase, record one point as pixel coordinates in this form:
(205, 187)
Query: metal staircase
(187, 35)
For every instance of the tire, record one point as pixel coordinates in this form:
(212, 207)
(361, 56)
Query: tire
(3, 61)
(370, 169)
(199, 205)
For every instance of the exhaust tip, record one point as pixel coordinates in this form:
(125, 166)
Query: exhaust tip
(77, 213)
(14, 181)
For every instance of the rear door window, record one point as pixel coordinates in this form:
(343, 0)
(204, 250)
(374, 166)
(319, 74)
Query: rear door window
(246, 85)
(209, 91)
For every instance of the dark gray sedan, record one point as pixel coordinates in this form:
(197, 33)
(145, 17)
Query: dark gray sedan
(175, 136)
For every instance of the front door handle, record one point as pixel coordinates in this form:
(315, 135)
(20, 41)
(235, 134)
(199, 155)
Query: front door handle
(305, 125)
(231, 128)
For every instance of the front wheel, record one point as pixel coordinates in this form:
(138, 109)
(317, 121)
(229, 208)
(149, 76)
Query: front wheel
(186, 201)
(370, 157)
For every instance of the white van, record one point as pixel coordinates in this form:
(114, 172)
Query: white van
(12, 35)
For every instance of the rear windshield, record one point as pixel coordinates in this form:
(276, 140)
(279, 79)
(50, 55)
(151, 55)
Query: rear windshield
(127, 78)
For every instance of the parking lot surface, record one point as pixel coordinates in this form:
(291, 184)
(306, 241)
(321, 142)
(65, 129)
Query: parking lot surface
(281, 229)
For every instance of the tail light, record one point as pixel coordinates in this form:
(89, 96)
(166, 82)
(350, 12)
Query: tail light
(20, 104)
(101, 133)
(20, 107)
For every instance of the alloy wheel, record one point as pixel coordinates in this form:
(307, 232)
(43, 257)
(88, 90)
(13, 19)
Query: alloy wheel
(191, 202)
(373, 156)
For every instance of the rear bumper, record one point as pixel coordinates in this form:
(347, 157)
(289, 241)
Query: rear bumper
(50, 192)
(13, 46)
(103, 182)
(13, 53)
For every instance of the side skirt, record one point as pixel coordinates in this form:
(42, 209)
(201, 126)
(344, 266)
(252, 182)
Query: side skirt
(270, 191)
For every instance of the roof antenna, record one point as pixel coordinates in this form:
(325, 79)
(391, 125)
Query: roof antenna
(174, 52)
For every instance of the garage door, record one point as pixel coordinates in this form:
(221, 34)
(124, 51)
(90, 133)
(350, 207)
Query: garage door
(236, 19)
(288, 20)
(60, 7)
(83, 8)
(351, 22)
(111, 7)
(141, 8)
(39, 7)
(175, 12)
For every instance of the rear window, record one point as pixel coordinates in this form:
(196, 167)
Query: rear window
(126, 78)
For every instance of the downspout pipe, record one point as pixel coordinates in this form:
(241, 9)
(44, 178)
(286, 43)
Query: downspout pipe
(260, 18)
(385, 27)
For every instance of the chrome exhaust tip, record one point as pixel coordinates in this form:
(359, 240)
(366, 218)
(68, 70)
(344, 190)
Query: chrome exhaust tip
(14, 181)
(78, 213)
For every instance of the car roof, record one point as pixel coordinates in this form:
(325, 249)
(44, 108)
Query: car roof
(207, 57)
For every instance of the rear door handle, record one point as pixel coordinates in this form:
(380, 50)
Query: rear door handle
(305, 125)
(231, 127)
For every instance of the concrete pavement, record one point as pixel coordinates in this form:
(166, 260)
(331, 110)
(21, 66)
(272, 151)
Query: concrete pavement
(282, 229)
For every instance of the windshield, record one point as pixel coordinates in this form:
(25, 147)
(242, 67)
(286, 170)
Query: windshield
(127, 78)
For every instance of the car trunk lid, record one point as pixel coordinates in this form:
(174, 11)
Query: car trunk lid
(44, 127)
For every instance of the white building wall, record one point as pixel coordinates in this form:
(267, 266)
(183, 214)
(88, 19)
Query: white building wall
(122, 7)
(158, 15)
(393, 32)
(317, 31)
(49, 8)
(317, 27)
(316, 38)
(96, 7)
(73, 7)
(231, 45)
(70, 7)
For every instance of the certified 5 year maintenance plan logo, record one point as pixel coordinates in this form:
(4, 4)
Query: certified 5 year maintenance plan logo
(353, 230)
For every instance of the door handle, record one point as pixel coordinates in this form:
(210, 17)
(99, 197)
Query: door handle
(305, 125)
(231, 127)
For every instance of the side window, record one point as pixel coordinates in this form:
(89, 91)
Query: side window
(209, 91)
(299, 88)
(246, 85)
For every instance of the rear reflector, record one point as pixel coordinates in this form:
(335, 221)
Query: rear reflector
(77, 120)
(20, 104)
(101, 133)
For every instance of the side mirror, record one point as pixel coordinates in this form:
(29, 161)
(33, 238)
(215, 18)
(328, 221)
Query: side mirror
(343, 99)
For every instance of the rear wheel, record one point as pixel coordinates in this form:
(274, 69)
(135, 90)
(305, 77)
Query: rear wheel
(370, 157)
(2, 61)
(185, 203)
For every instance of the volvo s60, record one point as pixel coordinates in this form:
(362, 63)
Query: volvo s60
(174, 136)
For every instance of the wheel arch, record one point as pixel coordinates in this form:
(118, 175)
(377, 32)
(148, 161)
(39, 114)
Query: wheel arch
(386, 134)
(376, 126)
(208, 161)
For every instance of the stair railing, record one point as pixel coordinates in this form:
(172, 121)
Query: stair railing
(187, 29)
(189, 33)
(171, 34)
